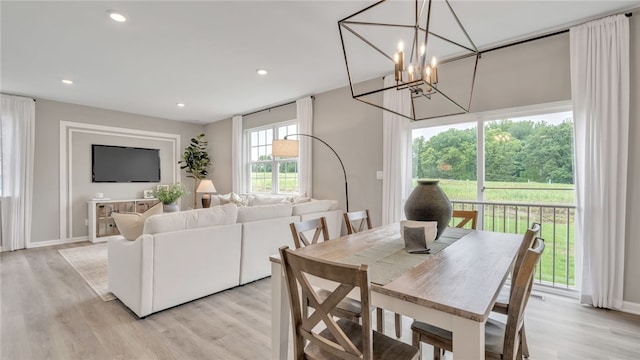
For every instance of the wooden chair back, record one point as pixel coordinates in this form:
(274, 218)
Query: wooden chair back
(521, 289)
(465, 216)
(298, 268)
(357, 220)
(298, 230)
(527, 242)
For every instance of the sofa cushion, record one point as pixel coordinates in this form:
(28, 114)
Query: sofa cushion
(217, 215)
(314, 206)
(130, 224)
(263, 212)
(258, 200)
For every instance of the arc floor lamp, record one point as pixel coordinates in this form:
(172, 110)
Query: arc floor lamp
(291, 148)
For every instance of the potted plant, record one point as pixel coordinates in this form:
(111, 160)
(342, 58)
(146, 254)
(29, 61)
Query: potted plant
(169, 194)
(196, 162)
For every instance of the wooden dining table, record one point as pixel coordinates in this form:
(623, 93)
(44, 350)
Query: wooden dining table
(454, 288)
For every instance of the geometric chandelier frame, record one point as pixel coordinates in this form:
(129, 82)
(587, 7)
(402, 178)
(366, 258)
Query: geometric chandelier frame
(421, 74)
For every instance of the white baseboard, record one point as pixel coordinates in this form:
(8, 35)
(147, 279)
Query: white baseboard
(631, 308)
(57, 242)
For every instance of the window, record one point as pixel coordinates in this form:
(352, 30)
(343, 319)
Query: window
(269, 175)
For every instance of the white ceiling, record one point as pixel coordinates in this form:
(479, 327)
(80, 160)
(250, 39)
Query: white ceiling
(205, 54)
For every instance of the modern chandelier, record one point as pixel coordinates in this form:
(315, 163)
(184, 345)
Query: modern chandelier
(426, 47)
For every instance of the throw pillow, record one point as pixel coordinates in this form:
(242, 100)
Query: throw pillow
(239, 200)
(130, 224)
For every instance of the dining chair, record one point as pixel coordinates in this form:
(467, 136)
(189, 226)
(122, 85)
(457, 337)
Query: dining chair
(502, 304)
(348, 308)
(465, 216)
(357, 221)
(319, 335)
(502, 341)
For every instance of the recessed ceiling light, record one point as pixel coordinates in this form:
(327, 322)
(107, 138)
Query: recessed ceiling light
(261, 72)
(180, 104)
(68, 82)
(116, 16)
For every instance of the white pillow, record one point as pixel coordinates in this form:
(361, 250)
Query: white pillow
(217, 215)
(314, 206)
(130, 224)
(263, 212)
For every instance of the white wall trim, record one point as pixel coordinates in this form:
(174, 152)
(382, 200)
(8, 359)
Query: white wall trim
(631, 308)
(67, 129)
(57, 242)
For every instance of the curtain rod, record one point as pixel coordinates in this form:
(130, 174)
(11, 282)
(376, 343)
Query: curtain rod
(628, 14)
(272, 107)
(28, 97)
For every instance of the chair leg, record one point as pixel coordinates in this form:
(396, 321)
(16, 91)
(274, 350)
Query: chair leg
(398, 325)
(523, 340)
(380, 320)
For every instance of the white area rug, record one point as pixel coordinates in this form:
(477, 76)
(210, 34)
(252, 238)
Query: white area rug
(91, 263)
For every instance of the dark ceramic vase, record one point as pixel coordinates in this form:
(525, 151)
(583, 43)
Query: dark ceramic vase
(428, 202)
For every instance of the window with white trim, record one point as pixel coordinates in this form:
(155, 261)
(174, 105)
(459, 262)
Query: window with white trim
(268, 174)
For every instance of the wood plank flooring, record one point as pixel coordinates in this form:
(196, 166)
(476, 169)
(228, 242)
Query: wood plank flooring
(49, 312)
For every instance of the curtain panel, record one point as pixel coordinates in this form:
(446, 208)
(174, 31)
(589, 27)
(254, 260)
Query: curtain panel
(237, 161)
(395, 152)
(304, 114)
(18, 144)
(599, 53)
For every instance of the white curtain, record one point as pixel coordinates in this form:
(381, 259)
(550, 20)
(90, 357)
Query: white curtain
(237, 162)
(304, 111)
(18, 132)
(600, 91)
(395, 154)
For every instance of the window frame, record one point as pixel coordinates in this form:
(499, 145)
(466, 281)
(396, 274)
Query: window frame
(275, 162)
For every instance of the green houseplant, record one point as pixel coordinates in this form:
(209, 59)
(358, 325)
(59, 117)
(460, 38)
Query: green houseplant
(169, 194)
(196, 162)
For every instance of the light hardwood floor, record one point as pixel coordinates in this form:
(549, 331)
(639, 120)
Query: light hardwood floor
(49, 312)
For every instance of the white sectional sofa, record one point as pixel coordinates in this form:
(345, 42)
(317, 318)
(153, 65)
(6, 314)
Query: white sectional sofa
(187, 255)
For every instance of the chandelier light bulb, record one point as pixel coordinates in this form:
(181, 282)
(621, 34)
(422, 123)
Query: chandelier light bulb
(400, 46)
(423, 49)
(434, 75)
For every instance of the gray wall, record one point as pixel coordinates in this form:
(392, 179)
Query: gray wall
(46, 210)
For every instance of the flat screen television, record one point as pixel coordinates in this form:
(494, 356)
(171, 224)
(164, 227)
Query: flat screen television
(121, 164)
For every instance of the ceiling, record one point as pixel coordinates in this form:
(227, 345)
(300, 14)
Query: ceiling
(205, 54)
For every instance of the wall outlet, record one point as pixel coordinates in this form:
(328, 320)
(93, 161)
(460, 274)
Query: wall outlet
(379, 175)
(86, 222)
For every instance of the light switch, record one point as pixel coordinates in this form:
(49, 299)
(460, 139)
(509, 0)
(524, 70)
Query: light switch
(379, 175)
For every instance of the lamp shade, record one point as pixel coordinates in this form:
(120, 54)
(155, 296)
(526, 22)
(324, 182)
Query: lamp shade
(285, 148)
(206, 186)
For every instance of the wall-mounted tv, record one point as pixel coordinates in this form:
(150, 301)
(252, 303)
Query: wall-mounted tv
(121, 164)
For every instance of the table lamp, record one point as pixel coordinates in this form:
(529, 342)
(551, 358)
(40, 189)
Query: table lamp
(206, 188)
